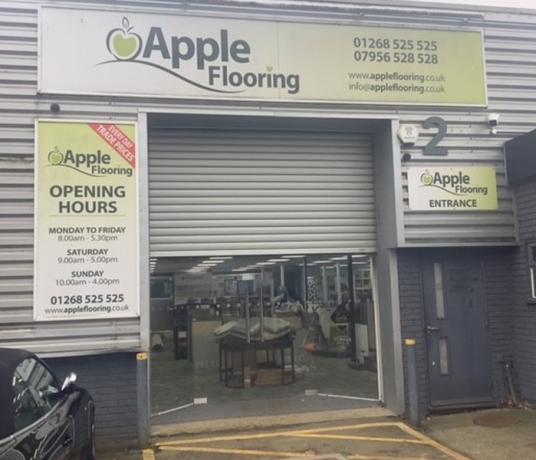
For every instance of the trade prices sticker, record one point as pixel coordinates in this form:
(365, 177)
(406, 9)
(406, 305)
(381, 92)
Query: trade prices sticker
(86, 221)
(464, 188)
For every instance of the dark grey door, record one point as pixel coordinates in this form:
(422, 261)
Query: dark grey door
(459, 364)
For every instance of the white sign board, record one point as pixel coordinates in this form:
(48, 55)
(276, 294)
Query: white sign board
(463, 188)
(142, 54)
(86, 221)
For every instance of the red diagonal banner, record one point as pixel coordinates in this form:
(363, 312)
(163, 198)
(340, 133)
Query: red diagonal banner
(118, 140)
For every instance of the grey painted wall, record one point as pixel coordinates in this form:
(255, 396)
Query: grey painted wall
(524, 312)
(111, 380)
(498, 288)
(386, 156)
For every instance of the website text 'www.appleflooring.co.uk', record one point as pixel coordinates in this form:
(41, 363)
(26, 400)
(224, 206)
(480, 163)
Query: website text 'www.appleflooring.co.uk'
(382, 82)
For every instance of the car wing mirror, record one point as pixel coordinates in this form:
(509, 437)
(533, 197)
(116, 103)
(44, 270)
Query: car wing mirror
(69, 381)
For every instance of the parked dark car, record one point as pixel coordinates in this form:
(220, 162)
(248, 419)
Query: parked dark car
(41, 419)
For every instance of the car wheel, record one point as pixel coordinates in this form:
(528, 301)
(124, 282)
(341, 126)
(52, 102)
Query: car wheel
(89, 452)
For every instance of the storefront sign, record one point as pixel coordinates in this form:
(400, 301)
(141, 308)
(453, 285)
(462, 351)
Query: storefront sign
(86, 221)
(472, 188)
(140, 54)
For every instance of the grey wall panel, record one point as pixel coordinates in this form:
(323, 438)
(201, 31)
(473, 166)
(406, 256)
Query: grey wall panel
(111, 380)
(524, 314)
(244, 192)
(510, 41)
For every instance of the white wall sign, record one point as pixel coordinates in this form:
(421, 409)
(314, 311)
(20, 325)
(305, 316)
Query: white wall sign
(86, 221)
(463, 188)
(141, 54)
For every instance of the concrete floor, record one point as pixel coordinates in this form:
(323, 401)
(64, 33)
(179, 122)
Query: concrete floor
(177, 383)
(385, 438)
(513, 441)
(455, 437)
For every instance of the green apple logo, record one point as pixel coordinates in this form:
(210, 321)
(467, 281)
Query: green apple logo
(122, 43)
(427, 178)
(55, 157)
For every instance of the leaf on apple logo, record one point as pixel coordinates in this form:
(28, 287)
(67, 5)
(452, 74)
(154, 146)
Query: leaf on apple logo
(126, 24)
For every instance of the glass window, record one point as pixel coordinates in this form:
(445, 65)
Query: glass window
(26, 408)
(439, 295)
(161, 288)
(301, 322)
(39, 381)
(444, 356)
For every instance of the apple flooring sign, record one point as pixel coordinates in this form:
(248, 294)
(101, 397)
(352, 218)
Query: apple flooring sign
(86, 221)
(464, 188)
(135, 54)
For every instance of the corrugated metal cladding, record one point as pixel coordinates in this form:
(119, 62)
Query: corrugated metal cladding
(510, 42)
(272, 192)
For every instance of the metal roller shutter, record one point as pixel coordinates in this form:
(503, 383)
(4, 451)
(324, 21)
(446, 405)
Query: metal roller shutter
(234, 192)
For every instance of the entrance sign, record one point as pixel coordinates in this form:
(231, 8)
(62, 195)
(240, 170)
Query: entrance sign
(464, 188)
(86, 221)
(141, 54)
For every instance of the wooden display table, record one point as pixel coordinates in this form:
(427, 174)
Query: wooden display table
(230, 347)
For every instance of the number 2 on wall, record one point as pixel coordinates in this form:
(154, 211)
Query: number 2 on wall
(432, 147)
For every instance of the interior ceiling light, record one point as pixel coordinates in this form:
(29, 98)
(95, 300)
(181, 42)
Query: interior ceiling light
(212, 262)
(323, 261)
(265, 263)
(359, 256)
(293, 257)
(221, 258)
(278, 260)
(340, 258)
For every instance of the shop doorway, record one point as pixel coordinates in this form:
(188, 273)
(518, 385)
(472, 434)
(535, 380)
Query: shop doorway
(262, 335)
(267, 226)
(459, 363)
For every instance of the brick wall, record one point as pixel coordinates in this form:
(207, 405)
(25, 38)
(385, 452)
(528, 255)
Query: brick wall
(111, 380)
(525, 312)
(498, 289)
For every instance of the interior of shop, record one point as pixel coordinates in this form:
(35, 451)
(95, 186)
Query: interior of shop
(250, 336)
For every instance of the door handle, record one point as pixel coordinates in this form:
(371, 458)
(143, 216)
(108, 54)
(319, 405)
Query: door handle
(431, 329)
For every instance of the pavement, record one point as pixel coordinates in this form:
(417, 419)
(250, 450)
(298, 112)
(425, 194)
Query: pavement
(505, 434)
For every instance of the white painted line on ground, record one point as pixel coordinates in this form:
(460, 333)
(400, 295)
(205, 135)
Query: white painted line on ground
(356, 398)
(175, 409)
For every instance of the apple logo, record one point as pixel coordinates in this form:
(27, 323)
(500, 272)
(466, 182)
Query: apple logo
(122, 43)
(55, 157)
(427, 179)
